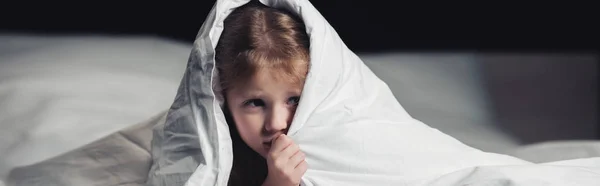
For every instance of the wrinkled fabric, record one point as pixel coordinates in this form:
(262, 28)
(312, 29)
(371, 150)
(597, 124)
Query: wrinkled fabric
(351, 128)
(122, 158)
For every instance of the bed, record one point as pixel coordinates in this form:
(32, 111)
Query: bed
(60, 93)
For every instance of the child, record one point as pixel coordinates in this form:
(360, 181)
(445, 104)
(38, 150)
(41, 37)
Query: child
(263, 59)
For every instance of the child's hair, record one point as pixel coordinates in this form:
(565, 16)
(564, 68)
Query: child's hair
(257, 38)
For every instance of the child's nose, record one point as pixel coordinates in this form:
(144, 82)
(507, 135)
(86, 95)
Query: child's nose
(278, 119)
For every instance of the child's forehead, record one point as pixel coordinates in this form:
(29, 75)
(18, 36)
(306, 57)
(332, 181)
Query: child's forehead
(269, 78)
(273, 74)
(266, 80)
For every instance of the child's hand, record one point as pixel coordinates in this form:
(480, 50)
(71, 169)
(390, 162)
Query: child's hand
(285, 162)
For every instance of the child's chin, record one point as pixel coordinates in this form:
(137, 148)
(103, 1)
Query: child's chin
(264, 151)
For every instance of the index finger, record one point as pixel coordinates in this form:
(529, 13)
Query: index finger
(280, 143)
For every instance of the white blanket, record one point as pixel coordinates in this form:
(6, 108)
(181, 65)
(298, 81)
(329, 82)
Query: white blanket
(351, 128)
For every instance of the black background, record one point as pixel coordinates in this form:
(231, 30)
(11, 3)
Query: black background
(365, 26)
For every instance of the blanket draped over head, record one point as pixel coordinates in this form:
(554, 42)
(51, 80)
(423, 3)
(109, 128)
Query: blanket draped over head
(348, 123)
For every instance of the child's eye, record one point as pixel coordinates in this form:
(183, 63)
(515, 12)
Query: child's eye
(294, 100)
(254, 103)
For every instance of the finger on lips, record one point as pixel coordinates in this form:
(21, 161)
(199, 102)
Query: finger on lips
(280, 143)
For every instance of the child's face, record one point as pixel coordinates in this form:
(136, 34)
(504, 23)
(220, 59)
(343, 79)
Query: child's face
(263, 108)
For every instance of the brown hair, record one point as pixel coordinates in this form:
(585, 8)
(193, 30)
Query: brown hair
(256, 38)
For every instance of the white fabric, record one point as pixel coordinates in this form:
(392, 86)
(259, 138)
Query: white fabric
(558, 150)
(427, 85)
(447, 92)
(421, 81)
(58, 93)
(122, 158)
(348, 123)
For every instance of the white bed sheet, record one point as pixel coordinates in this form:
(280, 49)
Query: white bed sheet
(558, 150)
(59, 93)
